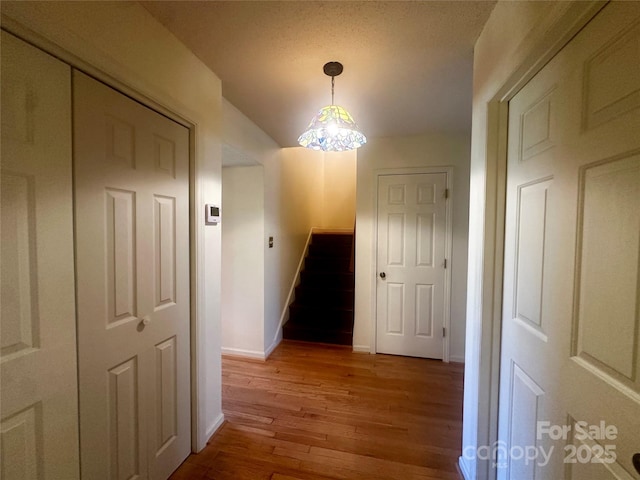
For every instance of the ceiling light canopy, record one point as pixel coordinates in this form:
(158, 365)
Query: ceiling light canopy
(332, 129)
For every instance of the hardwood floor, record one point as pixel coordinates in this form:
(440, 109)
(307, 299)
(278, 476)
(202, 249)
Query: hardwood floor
(318, 412)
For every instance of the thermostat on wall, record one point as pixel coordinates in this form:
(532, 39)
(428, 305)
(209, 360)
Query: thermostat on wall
(212, 216)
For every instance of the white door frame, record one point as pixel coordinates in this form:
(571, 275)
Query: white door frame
(447, 251)
(196, 252)
(545, 41)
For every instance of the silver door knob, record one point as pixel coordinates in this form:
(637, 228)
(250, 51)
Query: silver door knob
(144, 321)
(383, 275)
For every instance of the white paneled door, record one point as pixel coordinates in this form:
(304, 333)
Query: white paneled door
(570, 366)
(412, 221)
(39, 402)
(132, 250)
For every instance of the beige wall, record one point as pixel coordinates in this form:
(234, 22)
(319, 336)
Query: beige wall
(124, 44)
(243, 261)
(406, 152)
(244, 246)
(339, 194)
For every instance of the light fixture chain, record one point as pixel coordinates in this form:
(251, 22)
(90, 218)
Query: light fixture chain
(332, 86)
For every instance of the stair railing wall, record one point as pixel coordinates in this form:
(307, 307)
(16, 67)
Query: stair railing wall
(284, 317)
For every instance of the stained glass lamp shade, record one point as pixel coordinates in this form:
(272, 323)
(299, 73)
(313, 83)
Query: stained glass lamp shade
(332, 129)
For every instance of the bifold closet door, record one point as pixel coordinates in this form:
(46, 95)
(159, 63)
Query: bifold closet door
(131, 172)
(39, 404)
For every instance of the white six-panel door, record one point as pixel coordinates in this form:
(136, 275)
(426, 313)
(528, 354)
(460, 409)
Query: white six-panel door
(132, 251)
(39, 429)
(571, 333)
(411, 271)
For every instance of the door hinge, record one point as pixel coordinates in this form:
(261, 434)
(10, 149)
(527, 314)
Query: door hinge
(445, 263)
(446, 193)
(444, 332)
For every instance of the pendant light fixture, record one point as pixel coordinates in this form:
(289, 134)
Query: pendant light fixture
(332, 129)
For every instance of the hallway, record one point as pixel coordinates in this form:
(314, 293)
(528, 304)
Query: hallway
(317, 412)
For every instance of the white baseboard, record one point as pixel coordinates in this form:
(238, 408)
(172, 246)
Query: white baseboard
(456, 358)
(362, 349)
(239, 352)
(273, 345)
(253, 354)
(463, 469)
(214, 427)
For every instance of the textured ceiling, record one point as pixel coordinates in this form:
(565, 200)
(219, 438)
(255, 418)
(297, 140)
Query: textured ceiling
(407, 64)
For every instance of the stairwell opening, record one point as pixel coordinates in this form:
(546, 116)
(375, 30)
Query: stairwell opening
(322, 310)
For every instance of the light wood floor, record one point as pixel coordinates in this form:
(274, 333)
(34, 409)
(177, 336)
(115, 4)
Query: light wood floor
(316, 412)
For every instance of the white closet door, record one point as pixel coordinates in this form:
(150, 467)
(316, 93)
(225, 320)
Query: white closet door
(571, 335)
(132, 250)
(39, 404)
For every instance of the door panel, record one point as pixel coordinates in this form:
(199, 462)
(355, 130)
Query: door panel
(411, 247)
(132, 194)
(395, 308)
(124, 427)
(39, 424)
(570, 330)
(166, 401)
(529, 264)
(120, 257)
(608, 287)
(425, 239)
(424, 310)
